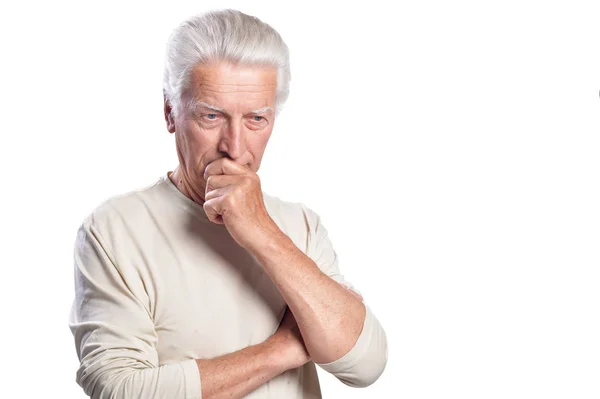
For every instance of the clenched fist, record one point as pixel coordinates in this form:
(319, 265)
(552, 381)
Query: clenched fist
(289, 342)
(234, 198)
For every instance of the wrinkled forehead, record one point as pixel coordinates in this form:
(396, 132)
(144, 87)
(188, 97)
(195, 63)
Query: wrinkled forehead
(226, 78)
(231, 88)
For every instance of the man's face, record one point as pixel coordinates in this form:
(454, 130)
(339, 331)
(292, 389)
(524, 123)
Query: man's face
(240, 126)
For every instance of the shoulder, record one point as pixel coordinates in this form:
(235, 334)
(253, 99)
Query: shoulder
(120, 212)
(295, 219)
(288, 211)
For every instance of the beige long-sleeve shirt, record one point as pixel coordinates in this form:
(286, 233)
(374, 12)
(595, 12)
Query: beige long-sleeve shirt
(158, 285)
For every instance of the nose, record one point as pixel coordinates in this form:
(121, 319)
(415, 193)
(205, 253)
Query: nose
(233, 140)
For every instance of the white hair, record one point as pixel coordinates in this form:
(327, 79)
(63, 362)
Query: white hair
(223, 35)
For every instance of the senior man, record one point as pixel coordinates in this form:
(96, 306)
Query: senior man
(201, 285)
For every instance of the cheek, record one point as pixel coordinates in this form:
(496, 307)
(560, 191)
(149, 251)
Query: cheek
(259, 146)
(264, 139)
(196, 141)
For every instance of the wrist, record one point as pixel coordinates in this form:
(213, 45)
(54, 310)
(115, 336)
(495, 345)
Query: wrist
(269, 241)
(280, 354)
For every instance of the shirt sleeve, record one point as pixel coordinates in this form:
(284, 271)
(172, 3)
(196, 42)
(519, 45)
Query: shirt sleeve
(114, 333)
(366, 360)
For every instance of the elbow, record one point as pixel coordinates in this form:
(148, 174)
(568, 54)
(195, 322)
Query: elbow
(105, 386)
(368, 378)
(126, 378)
(366, 361)
(369, 369)
(113, 380)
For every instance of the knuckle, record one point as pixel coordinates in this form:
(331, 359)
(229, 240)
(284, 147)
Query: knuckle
(229, 200)
(210, 183)
(250, 180)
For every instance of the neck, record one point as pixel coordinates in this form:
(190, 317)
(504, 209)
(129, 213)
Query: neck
(183, 184)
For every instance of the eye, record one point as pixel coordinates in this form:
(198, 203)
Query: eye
(257, 120)
(211, 117)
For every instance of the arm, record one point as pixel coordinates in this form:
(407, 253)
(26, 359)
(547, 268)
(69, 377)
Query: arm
(340, 332)
(236, 374)
(115, 341)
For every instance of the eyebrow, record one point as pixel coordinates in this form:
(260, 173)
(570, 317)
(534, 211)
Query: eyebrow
(194, 104)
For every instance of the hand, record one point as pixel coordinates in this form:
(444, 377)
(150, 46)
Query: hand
(234, 198)
(289, 342)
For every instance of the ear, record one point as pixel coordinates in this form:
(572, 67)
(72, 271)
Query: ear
(169, 115)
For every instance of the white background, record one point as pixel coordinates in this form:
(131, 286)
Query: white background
(451, 149)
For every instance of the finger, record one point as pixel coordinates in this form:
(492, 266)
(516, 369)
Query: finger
(224, 166)
(212, 209)
(216, 193)
(218, 181)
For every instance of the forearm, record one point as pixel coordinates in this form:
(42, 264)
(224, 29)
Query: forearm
(229, 376)
(236, 374)
(329, 316)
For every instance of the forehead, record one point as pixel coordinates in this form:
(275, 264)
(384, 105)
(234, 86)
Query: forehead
(227, 81)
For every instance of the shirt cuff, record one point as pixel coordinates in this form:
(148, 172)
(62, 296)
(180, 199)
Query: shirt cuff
(193, 387)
